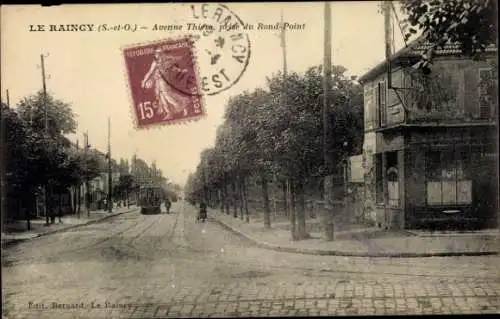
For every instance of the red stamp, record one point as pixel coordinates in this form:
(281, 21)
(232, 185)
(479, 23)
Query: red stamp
(163, 82)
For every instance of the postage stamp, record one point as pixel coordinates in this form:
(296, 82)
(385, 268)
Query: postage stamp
(163, 82)
(223, 46)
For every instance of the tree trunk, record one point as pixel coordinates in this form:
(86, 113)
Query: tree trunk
(265, 197)
(245, 200)
(59, 212)
(79, 200)
(72, 200)
(216, 197)
(240, 194)
(75, 199)
(46, 204)
(87, 198)
(226, 196)
(233, 199)
(31, 208)
(285, 198)
(301, 212)
(221, 198)
(291, 203)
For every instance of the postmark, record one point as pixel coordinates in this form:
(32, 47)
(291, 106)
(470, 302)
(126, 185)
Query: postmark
(155, 72)
(222, 45)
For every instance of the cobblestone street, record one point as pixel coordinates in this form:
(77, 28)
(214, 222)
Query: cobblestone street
(168, 265)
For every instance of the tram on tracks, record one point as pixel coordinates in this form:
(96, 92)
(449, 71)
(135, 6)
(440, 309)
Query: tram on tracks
(150, 199)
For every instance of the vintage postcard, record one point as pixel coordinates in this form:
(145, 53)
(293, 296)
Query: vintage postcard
(249, 159)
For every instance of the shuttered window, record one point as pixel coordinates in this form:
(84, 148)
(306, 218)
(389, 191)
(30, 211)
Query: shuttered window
(381, 101)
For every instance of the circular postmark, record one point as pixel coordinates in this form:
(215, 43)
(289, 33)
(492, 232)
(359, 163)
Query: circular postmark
(222, 48)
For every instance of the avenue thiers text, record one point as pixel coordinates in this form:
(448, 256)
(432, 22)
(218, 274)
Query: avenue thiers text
(163, 27)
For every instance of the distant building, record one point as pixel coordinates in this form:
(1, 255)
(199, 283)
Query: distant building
(430, 150)
(98, 186)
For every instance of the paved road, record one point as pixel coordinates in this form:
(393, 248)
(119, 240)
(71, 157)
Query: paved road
(136, 266)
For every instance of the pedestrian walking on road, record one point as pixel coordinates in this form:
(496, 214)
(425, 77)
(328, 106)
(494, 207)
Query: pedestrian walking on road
(203, 212)
(168, 204)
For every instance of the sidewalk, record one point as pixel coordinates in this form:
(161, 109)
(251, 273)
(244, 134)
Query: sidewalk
(16, 231)
(363, 242)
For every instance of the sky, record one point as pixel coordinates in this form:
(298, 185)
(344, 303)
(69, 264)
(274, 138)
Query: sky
(86, 69)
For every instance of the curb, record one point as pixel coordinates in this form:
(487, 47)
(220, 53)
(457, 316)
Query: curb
(12, 242)
(464, 234)
(323, 252)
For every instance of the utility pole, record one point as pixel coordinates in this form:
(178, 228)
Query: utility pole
(328, 160)
(87, 186)
(44, 94)
(78, 187)
(284, 106)
(110, 177)
(386, 5)
(3, 165)
(46, 124)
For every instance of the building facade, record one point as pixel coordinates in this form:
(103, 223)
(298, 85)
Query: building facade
(430, 152)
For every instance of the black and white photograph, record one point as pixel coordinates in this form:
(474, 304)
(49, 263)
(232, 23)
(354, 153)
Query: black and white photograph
(240, 160)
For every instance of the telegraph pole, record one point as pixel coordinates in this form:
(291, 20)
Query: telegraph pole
(44, 94)
(328, 161)
(46, 124)
(79, 187)
(386, 5)
(87, 186)
(110, 177)
(284, 105)
(3, 165)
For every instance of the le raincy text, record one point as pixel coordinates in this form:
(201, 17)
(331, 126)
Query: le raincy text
(62, 27)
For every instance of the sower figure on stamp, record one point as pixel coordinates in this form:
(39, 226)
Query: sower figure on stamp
(169, 101)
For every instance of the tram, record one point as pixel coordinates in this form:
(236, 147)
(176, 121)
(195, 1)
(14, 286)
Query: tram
(150, 199)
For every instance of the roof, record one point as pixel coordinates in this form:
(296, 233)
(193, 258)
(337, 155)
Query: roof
(415, 50)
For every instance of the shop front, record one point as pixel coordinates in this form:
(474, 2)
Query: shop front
(429, 177)
(452, 178)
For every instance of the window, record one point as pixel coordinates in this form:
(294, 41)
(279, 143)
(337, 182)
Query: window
(484, 94)
(446, 180)
(381, 103)
(374, 110)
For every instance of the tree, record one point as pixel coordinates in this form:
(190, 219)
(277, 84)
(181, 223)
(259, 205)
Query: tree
(124, 187)
(250, 149)
(261, 138)
(471, 24)
(298, 129)
(52, 163)
(21, 165)
(60, 116)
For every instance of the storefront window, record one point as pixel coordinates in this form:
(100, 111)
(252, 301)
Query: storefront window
(447, 182)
